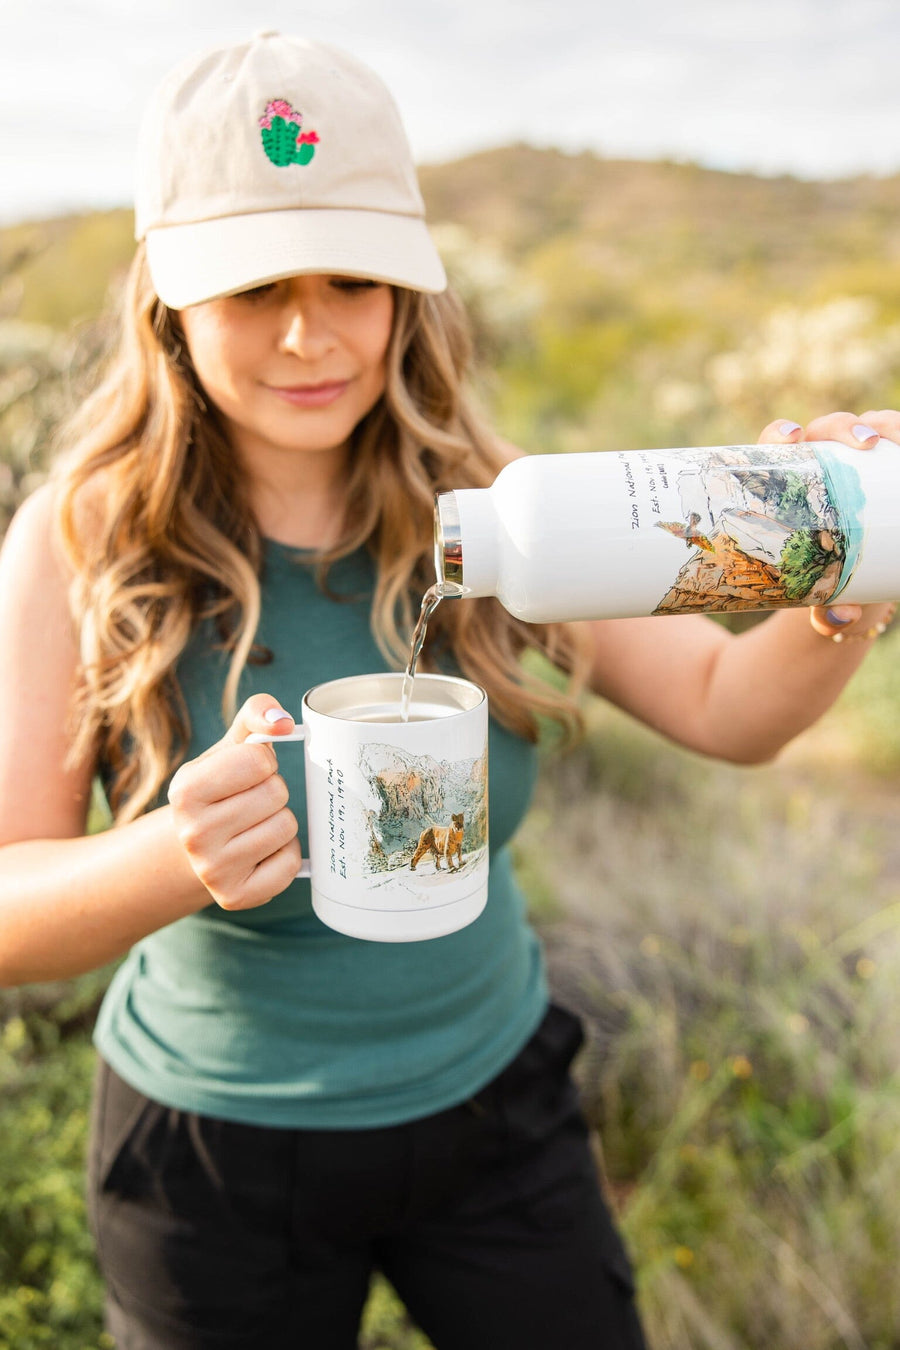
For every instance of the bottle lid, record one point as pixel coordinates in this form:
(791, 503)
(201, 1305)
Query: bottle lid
(448, 559)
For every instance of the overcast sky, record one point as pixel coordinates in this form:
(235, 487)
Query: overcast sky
(810, 87)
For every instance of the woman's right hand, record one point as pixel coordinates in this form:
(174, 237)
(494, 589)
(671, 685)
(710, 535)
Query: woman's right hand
(231, 814)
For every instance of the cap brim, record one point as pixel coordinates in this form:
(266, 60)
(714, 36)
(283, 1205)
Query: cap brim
(207, 259)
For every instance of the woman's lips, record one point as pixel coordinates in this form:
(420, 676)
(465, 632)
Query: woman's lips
(309, 395)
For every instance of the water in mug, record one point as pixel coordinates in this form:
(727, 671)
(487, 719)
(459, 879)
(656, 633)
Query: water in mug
(391, 713)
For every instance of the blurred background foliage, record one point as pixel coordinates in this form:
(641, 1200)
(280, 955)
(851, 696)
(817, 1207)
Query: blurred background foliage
(729, 935)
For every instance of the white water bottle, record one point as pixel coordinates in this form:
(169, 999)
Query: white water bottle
(692, 530)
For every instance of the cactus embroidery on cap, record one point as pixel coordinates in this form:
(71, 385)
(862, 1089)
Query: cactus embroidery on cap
(282, 139)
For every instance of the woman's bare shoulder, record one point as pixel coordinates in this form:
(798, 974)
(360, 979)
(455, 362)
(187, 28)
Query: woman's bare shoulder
(37, 523)
(39, 506)
(33, 538)
(39, 642)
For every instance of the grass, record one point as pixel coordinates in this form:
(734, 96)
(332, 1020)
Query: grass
(732, 938)
(49, 1287)
(50, 1290)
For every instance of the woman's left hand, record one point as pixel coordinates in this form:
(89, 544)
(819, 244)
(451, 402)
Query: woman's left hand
(862, 433)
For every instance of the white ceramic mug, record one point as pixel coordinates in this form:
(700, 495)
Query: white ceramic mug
(397, 811)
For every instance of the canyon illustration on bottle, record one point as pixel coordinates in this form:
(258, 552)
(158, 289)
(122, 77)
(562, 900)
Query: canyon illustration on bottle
(713, 529)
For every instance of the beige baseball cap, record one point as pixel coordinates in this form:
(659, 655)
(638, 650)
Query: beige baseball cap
(271, 158)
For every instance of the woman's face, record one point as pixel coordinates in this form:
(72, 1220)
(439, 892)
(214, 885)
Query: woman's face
(294, 364)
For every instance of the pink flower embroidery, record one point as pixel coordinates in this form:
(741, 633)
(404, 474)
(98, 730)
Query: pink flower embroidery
(279, 107)
(308, 138)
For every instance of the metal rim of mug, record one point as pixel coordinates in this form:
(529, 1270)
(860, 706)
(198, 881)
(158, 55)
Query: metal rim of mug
(329, 698)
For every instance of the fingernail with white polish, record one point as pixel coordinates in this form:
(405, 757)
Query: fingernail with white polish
(788, 428)
(864, 433)
(277, 715)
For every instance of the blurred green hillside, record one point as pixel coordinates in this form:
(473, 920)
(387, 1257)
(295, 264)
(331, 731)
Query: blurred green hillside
(616, 302)
(59, 272)
(693, 231)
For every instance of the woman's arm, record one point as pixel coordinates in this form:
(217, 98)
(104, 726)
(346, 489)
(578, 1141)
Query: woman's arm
(738, 698)
(70, 903)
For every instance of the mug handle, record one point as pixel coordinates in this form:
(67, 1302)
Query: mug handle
(262, 738)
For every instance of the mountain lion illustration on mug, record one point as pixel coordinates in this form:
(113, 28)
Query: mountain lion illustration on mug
(443, 841)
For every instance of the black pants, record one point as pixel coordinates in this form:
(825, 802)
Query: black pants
(486, 1218)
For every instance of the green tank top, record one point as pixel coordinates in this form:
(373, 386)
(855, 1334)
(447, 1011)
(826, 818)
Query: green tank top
(267, 1016)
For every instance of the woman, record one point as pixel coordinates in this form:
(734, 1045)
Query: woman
(245, 512)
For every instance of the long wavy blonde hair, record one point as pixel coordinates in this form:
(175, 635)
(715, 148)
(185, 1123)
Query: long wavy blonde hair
(156, 524)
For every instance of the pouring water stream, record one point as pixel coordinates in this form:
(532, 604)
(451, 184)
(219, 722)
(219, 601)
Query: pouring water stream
(441, 590)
